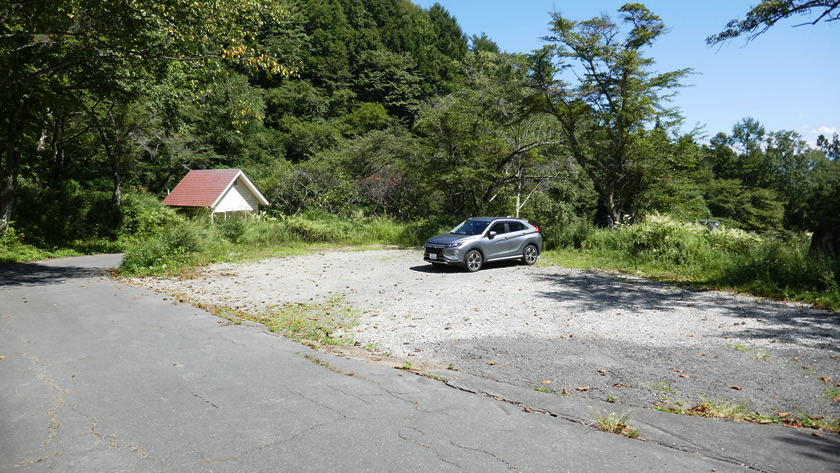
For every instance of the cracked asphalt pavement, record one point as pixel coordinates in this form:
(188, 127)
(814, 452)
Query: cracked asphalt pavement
(100, 376)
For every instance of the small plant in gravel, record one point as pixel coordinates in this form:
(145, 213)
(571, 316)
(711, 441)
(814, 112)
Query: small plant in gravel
(761, 355)
(833, 392)
(615, 423)
(612, 399)
(722, 408)
(323, 323)
(738, 346)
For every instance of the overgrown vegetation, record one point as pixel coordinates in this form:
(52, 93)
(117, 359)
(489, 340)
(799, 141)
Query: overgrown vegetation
(615, 423)
(380, 122)
(775, 265)
(730, 409)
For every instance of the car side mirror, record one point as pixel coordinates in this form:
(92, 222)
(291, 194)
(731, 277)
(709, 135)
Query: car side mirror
(491, 235)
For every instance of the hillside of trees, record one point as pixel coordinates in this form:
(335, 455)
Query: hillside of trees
(373, 108)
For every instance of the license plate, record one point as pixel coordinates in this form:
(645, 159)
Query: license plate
(432, 256)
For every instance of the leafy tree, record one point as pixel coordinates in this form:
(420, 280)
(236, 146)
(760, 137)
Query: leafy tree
(485, 144)
(768, 12)
(831, 147)
(51, 49)
(753, 209)
(390, 79)
(483, 43)
(721, 158)
(754, 165)
(604, 116)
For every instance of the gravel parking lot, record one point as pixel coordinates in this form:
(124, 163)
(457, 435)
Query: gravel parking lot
(604, 336)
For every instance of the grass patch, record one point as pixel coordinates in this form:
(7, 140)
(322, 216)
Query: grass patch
(180, 247)
(729, 409)
(326, 365)
(324, 323)
(665, 387)
(738, 347)
(773, 265)
(615, 423)
(721, 408)
(832, 392)
(761, 355)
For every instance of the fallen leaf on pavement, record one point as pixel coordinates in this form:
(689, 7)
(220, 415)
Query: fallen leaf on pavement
(582, 388)
(816, 434)
(528, 409)
(736, 387)
(2, 357)
(603, 372)
(491, 362)
(684, 376)
(702, 354)
(565, 391)
(546, 381)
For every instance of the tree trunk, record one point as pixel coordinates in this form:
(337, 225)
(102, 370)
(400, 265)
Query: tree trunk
(8, 182)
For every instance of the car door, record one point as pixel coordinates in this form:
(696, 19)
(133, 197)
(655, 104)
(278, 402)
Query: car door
(517, 238)
(498, 246)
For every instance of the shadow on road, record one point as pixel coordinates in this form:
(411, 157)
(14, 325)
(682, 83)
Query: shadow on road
(31, 274)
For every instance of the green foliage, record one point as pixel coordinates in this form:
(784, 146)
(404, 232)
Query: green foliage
(142, 216)
(188, 243)
(170, 249)
(768, 12)
(775, 265)
(756, 209)
(600, 88)
(52, 217)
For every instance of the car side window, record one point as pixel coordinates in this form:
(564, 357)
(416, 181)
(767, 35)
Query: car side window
(499, 228)
(516, 226)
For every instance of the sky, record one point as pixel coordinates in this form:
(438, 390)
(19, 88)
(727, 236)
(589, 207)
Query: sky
(787, 79)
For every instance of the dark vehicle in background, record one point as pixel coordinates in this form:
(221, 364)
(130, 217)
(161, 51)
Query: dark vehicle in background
(482, 239)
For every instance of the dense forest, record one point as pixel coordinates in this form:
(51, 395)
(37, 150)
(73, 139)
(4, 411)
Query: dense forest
(369, 108)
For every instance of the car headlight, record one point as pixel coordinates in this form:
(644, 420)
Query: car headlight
(455, 245)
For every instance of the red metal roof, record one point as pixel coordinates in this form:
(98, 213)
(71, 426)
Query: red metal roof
(201, 188)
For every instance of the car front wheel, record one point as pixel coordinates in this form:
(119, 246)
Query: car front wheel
(473, 261)
(530, 255)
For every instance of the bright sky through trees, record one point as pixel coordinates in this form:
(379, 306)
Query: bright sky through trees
(786, 78)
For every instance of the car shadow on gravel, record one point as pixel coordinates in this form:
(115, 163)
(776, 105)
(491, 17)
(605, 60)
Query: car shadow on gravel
(789, 323)
(30, 274)
(446, 269)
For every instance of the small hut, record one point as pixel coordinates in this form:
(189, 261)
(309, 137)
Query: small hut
(221, 191)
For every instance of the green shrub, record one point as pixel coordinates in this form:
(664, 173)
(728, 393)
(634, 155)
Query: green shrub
(175, 246)
(142, 216)
(232, 229)
(570, 235)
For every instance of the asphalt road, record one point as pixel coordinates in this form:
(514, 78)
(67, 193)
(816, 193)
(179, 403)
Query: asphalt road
(97, 376)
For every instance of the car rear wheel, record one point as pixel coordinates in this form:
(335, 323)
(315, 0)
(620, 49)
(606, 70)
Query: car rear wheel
(529, 256)
(473, 261)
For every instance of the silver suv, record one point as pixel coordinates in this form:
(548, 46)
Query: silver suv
(482, 239)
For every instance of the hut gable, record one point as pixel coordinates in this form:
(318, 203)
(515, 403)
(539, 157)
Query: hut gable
(219, 190)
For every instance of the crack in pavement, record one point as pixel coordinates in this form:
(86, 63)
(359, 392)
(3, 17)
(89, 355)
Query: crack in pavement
(428, 447)
(690, 448)
(490, 454)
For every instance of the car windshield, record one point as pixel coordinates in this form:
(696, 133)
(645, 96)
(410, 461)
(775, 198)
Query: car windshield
(470, 227)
